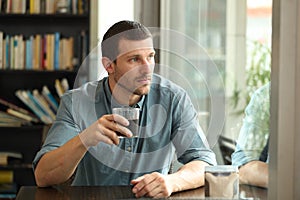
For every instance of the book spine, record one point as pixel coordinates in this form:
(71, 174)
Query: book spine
(59, 89)
(43, 103)
(21, 115)
(23, 96)
(6, 176)
(35, 102)
(49, 97)
(13, 106)
(37, 53)
(21, 53)
(65, 84)
(11, 53)
(56, 50)
(1, 50)
(7, 52)
(28, 63)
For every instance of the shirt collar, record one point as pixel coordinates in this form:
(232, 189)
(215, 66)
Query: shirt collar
(114, 103)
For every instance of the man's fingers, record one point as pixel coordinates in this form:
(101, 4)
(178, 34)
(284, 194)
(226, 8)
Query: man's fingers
(135, 181)
(119, 119)
(151, 189)
(110, 135)
(143, 185)
(117, 124)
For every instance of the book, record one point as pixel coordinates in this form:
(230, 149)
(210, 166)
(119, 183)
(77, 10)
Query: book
(24, 97)
(8, 6)
(5, 105)
(10, 117)
(7, 52)
(1, 49)
(13, 106)
(65, 84)
(21, 115)
(74, 7)
(10, 157)
(44, 115)
(43, 103)
(28, 57)
(6, 176)
(8, 190)
(10, 124)
(50, 40)
(4, 53)
(56, 50)
(67, 53)
(9, 120)
(11, 52)
(50, 7)
(59, 88)
(37, 52)
(50, 98)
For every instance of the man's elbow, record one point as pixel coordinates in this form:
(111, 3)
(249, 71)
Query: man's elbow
(39, 179)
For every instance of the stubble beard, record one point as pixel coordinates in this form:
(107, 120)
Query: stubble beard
(141, 90)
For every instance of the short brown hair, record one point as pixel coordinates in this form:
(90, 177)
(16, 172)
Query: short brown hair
(125, 29)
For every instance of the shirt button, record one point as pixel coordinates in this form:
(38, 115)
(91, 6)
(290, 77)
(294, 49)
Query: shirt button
(129, 149)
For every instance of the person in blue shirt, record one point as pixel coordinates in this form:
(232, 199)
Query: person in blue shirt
(83, 140)
(252, 154)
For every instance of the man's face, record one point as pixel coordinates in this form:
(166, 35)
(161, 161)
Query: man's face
(134, 66)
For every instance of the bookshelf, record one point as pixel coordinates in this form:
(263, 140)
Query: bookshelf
(28, 139)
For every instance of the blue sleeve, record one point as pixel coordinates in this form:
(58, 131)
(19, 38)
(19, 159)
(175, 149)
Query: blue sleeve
(190, 141)
(62, 130)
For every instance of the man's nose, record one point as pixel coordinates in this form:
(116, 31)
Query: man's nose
(147, 66)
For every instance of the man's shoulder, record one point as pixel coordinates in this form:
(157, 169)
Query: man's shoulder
(263, 93)
(86, 90)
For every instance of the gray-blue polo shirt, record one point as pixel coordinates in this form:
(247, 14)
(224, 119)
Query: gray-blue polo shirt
(169, 129)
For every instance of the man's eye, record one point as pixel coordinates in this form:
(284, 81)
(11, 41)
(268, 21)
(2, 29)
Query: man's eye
(134, 59)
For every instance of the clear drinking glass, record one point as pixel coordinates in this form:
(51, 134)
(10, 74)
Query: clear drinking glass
(132, 115)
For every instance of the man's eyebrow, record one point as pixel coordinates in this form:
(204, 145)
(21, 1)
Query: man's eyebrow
(132, 55)
(128, 55)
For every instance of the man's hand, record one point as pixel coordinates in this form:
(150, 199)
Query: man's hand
(255, 173)
(152, 185)
(104, 130)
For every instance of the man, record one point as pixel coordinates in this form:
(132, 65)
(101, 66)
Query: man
(251, 154)
(83, 140)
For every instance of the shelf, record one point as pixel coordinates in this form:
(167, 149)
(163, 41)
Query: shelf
(16, 166)
(42, 23)
(44, 16)
(25, 128)
(35, 72)
(12, 80)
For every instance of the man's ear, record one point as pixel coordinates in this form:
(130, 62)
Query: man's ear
(108, 64)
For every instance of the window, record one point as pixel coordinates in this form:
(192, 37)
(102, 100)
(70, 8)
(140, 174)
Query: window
(224, 40)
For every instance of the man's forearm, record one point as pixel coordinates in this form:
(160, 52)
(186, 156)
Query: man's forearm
(57, 166)
(254, 173)
(189, 176)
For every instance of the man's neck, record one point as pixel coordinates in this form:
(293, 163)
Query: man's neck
(123, 96)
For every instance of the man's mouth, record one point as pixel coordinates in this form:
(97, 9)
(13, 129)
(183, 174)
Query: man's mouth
(146, 80)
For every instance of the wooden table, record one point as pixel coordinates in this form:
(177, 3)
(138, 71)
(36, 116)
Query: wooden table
(118, 192)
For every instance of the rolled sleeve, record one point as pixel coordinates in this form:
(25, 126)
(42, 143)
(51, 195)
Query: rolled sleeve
(192, 143)
(62, 130)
